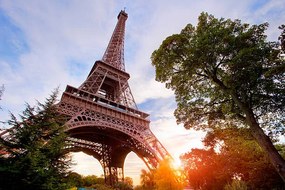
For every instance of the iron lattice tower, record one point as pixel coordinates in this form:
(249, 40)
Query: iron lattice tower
(103, 119)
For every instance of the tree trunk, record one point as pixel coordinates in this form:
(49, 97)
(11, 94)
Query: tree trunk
(261, 138)
(265, 143)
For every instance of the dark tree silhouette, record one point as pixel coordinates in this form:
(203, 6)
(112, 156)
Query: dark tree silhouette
(32, 155)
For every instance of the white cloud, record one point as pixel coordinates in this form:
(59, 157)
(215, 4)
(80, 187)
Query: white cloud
(175, 138)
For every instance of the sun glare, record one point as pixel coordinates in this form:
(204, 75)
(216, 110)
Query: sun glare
(177, 164)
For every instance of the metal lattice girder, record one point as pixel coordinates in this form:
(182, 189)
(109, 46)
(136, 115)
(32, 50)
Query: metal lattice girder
(121, 128)
(130, 122)
(109, 83)
(114, 54)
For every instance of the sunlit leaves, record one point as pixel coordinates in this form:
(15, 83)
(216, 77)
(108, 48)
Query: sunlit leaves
(230, 154)
(147, 180)
(165, 177)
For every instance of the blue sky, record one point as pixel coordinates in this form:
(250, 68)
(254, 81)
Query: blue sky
(46, 44)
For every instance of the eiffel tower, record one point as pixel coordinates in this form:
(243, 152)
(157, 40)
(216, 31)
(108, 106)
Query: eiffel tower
(103, 118)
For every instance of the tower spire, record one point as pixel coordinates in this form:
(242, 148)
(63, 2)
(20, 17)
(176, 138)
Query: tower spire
(114, 54)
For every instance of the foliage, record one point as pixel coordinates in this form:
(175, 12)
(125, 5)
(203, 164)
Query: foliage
(94, 182)
(165, 177)
(123, 186)
(147, 180)
(236, 185)
(73, 188)
(203, 169)
(282, 37)
(34, 150)
(247, 160)
(127, 184)
(90, 180)
(74, 179)
(98, 183)
(223, 73)
(138, 187)
(230, 154)
(129, 181)
(102, 187)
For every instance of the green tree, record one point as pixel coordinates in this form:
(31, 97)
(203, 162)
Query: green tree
(243, 158)
(204, 169)
(90, 180)
(74, 179)
(123, 186)
(34, 155)
(221, 73)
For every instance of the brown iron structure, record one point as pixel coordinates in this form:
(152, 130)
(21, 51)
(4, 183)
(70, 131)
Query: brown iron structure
(103, 118)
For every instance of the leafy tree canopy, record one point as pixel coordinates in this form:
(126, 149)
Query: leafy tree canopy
(165, 177)
(230, 155)
(146, 180)
(225, 73)
(206, 64)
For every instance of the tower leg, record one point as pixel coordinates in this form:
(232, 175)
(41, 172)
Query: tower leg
(113, 174)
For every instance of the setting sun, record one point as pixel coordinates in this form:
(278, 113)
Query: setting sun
(177, 164)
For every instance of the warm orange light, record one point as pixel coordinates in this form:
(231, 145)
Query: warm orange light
(176, 164)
